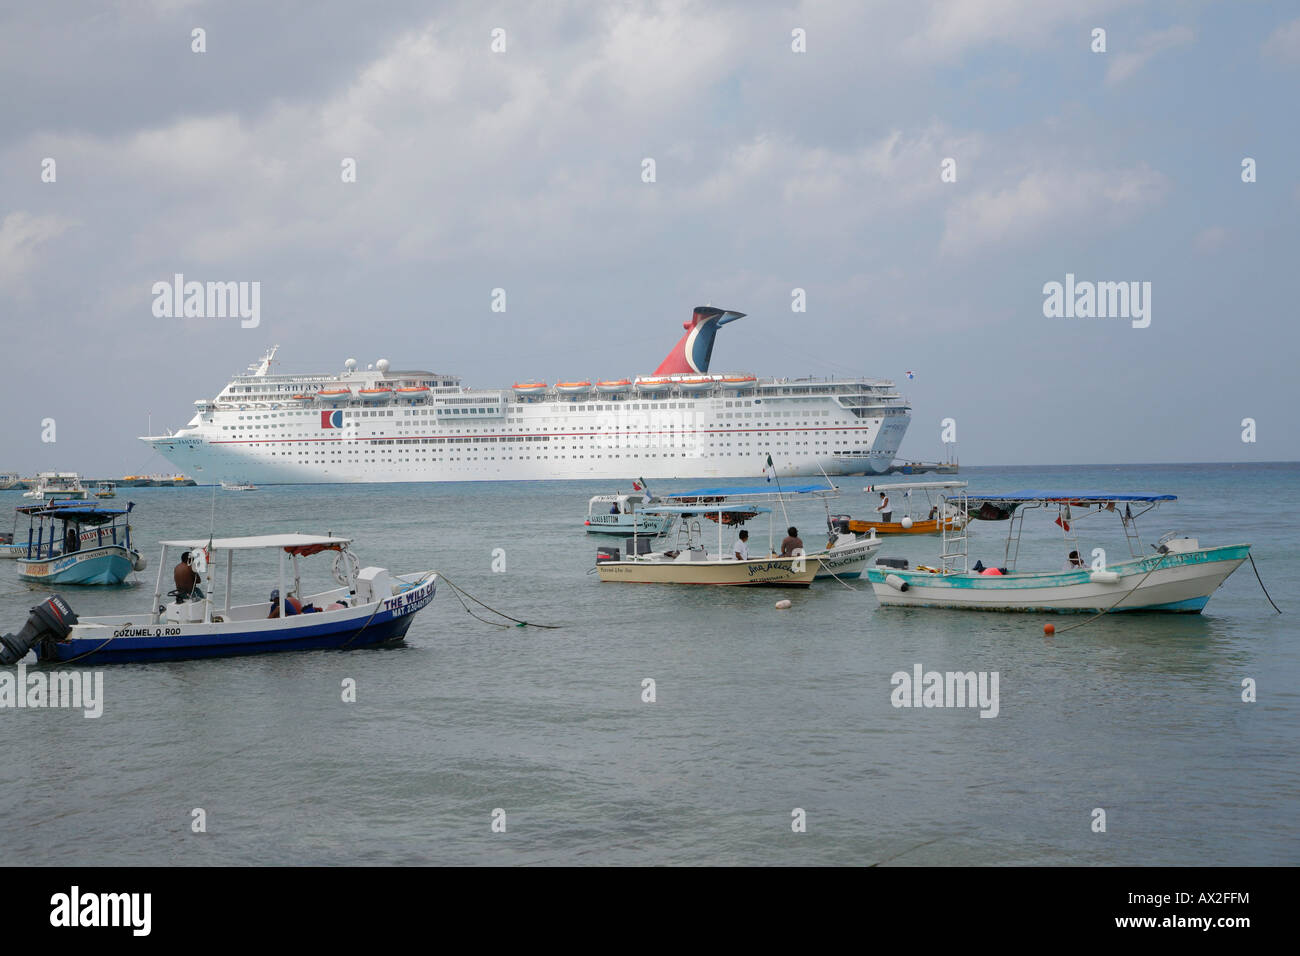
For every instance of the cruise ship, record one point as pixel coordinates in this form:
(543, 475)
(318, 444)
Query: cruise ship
(379, 424)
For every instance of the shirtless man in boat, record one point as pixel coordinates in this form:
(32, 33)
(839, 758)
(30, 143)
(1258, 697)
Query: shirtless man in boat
(791, 543)
(185, 578)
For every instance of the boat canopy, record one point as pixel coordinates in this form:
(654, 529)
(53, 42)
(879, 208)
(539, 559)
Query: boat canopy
(1070, 497)
(1002, 507)
(750, 510)
(918, 486)
(738, 490)
(78, 511)
(293, 543)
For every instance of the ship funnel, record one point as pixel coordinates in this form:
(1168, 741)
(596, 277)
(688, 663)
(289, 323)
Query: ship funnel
(694, 350)
(50, 620)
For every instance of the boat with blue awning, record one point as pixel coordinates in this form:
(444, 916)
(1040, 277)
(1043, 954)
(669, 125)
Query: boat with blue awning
(1177, 575)
(75, 542)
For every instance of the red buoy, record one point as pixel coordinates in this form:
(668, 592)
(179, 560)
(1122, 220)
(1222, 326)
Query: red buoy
(1049, 629)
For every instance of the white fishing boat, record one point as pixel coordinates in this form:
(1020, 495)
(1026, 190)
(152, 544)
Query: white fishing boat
(623, 515)
(1179, 576)
(57, 486)
(238, 486)
(369, 607)
(690, 562)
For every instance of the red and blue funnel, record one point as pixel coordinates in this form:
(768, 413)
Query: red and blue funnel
(693, 351)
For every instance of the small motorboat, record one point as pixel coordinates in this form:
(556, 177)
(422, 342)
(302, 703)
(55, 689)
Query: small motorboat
(369, 607)
(57, 486)
(622, 515)
(238, 486)
(70, 542)
(106, 489)
(1180, 576)
(939, 514)
(689, 561)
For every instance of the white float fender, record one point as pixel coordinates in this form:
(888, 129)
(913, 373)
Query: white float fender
(1104, 577)
(895, 582)
(140, 562)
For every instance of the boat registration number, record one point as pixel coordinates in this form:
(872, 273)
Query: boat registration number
(147, 632)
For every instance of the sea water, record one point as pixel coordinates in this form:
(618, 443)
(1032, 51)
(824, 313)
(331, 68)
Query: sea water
(772, 736)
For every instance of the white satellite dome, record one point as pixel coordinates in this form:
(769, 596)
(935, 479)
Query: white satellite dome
(382, 365)
(350, 364)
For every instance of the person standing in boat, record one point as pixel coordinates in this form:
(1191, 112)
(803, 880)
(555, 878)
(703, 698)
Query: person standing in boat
(883, 509)
(742, 545)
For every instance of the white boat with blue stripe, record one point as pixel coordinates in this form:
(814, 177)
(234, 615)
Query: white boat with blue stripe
(368, 608)
(1178, 575)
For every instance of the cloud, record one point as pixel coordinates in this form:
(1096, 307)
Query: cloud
(21, 236)
(1125, 65)
(1050, 197)
(1283, 44)
(1210, 238)
(953, 27)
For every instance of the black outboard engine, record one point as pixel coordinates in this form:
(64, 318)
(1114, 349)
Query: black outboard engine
(50, 620)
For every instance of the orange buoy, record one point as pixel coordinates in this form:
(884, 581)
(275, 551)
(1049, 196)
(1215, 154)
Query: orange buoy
(1049, 629)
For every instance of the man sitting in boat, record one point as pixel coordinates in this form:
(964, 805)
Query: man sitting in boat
(186, 580)
(742, 546)
(71, 539)
(1073, 562)
(791, 543)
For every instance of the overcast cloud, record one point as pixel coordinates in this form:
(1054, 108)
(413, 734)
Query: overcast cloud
(775, 170)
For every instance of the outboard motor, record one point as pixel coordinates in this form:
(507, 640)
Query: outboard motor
(50, 620)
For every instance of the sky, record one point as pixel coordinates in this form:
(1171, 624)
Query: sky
(523, 169)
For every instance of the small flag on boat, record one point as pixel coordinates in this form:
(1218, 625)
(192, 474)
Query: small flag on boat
(911, 374)
(770, 470)
(1065, 525)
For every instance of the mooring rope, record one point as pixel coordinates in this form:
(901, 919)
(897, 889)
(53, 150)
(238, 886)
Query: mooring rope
(458, 591)
(1261, 582)
(1159, 560)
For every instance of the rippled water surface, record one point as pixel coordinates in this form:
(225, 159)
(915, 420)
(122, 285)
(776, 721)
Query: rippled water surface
(757, 711)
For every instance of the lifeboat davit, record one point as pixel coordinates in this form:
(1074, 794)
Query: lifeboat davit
(530, 388)
(334, 394)
(614, 387)
(654, 384)
(374, 394)
(696, 384)
(573, 388)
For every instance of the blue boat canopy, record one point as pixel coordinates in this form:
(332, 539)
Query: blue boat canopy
(78, 511)
(1071, 497)
(705, 510)
(736, 490)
